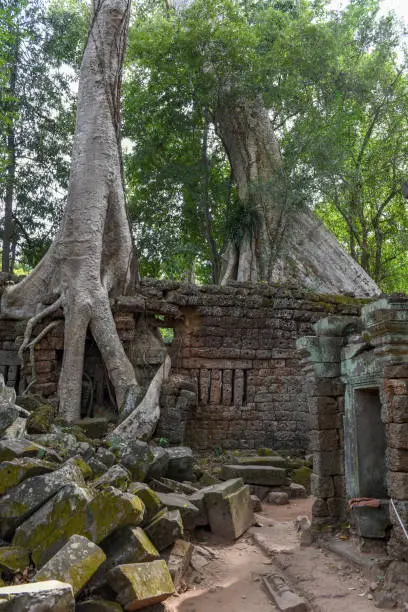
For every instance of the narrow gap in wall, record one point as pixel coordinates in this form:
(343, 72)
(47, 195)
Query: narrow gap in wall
(245, 384)
(233, 387)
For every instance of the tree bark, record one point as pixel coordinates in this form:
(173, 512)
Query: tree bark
(292, 245)
(92, 255)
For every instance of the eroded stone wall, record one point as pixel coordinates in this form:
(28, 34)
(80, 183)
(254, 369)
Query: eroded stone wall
(236, 377)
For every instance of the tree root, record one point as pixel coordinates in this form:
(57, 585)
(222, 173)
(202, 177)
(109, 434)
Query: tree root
(33, 321)
(31, 346)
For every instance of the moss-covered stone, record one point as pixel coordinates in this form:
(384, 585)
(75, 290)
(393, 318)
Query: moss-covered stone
(48, 595)
(165, 528)
(76, 562)
(208, 479)
(13, 558)
(16, 449)
(15, 471)
(110, 509)
(41, 419)
(116, 476)
(265, 452)
(29, 402)
(139, 585)
(83, 466)
(149, 498)
(302, 476)
(48, 529)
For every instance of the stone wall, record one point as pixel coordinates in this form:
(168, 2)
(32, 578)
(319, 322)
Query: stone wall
(236, 378)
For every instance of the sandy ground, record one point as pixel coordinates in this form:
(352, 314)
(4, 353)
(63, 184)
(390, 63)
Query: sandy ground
(232, 580)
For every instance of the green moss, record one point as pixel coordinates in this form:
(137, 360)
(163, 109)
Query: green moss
(83, 466)
(265, 452)
(41, 419)
(149, 498)
(15, 471)
(13, 558)
(110, 509)
(302, 476)
(77, 573)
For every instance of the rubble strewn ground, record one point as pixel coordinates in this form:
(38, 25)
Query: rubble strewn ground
(110, 524)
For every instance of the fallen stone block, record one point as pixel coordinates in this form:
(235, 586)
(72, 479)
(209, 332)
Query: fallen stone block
(41, 596)
(259, 491)
(158, 462)
(98, 605)
(116, 476)
(109, 509)
(274, 461)
(13, 558)
(188, 511)
(48, 529)
(17, 430)
(178, 560)
(15, 449)
(98, 468)
(137, 457)
(165, 528)
(256, 503)
(180, 466)
(255, 474)
(75, 563)
(125, 545)
(93, 427)
(24, 499)
(106, 456)
(279, 498)
(139, 585)
(173, 486)
(41, 419)
(8, 414)
(297, 491)
(15, 471)
(285, 599)
(149, 498)
(229, 508)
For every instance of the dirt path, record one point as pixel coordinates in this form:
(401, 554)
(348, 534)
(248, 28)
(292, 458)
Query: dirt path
(232, 580)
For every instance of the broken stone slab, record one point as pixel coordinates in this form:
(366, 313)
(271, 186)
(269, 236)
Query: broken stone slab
(93, 427)
(24, 499)
(180, 466)
(106, 456)
(158, 462)
(41, 419)
(116, 476)
(229, 508)
(15, 449)
(76, 562)
(255, 474)
(201, 557)
(285, 599)
(139, 585)
(40, 596)
(278, 498)
(274, 461)
(178, 560)
(165, 528)
(136, 456)
(98, 468)
(110, 509)
(48, 529)
(188, 511)
(98, 605)
(17, 430)
(8, 415)
(125, 545)
(149, 497)
(15, 471)
(13, 558)
(175, 486)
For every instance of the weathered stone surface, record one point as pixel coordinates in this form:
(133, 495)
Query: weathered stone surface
(98, 605)
(13, 558)
(24, 499)
(93, 427)
(40, 420)
(128, 544)
(256, 503)
(279, 498)
(397, 434)
(188, 511)
(168, 485)
(15, 449)
(15, 471)
(255, 474)
(17, 430)
(322, 486)
(273, 460)
(180, 466)
(149, 497)
(259, 491)
(158, 463)
(38, 597)
(98, 467)
(8, 415)
(137, 457)
(297, 491)
(229, 508)
(48, 529)
(165, 529)
(116, 476)
(139, 585)
(106, 456)
(76, 562)
(178, 560)
(285, 599)
(110, 509)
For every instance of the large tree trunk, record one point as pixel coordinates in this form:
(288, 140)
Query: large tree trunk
(91, 258)
(292, 245)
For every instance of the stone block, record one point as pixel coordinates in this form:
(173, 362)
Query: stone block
(273, 460)
(278, 498)
(8, 414)
(255, 474)
(165, 528)
(328, 463)
(397, 435)
(139, 585)
(324, 440)
(76, 562)
(158, 463)
(297, 491)
(149, 497)
(229, 508)
(188, 511)
(398, 485)
(178, 560)
(13, 558)
(322, 486)
(322, 420)
(106, 456)
(94, 427)
(110, 509)
(15, 471)
(180, 466)
(256, 504)
(49, 595)
(116, 476)
(285, 599)
(97, 466)
(398, 370)
(25, 498)
(259, 491)
(15, 449)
